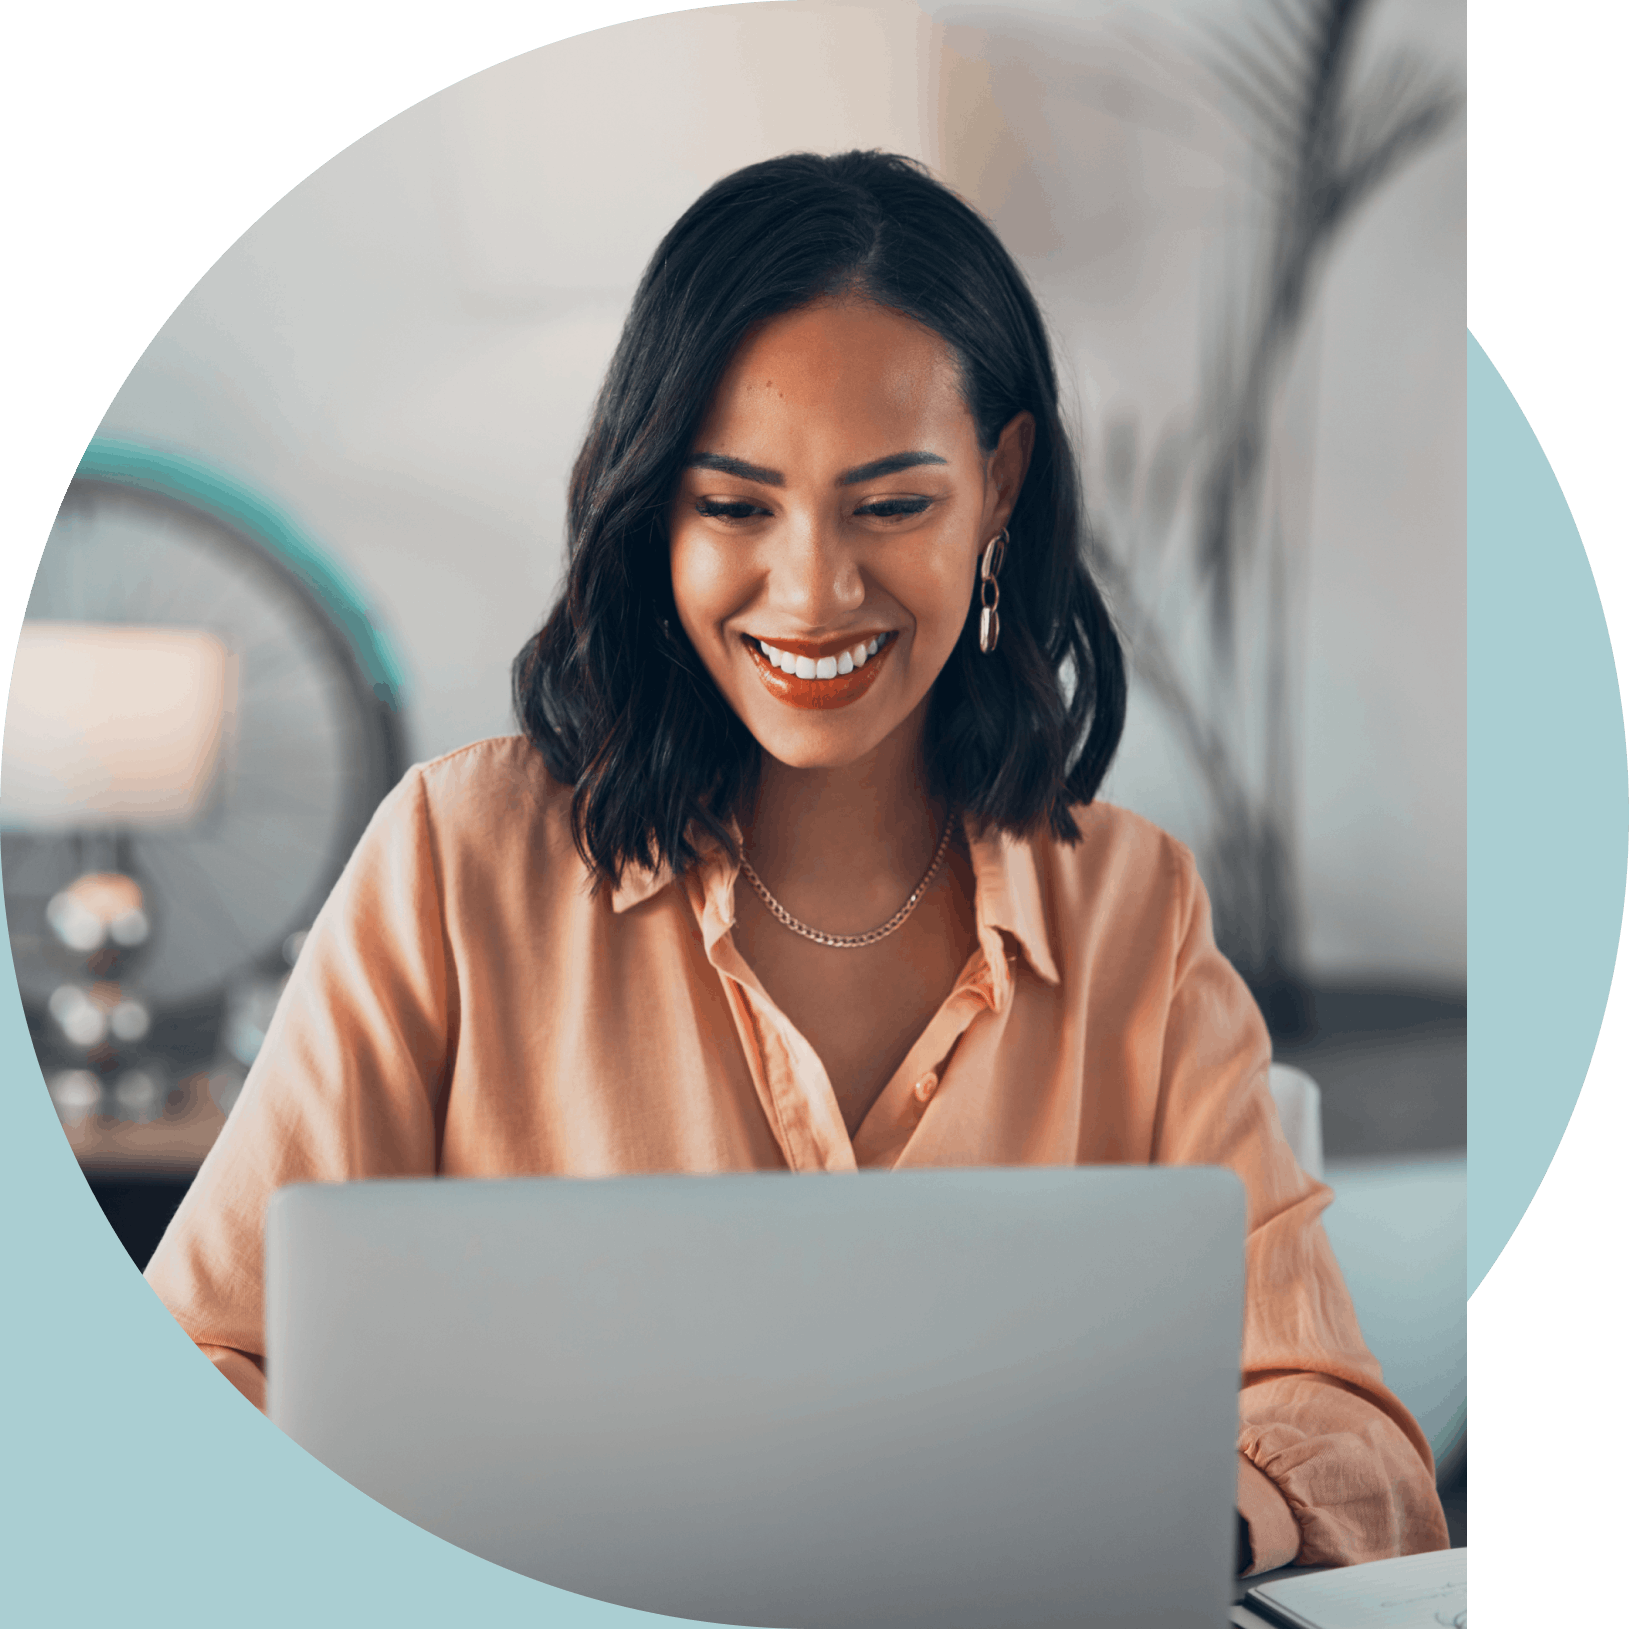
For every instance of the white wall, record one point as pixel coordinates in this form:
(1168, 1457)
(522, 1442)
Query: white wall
(404, 352)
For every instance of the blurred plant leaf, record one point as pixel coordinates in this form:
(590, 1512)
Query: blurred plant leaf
(1162, 491)
(1326, 137)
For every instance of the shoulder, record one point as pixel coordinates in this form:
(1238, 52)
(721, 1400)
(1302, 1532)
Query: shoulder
(484, 801)
(502, 774)
(1120, 852)
(1126, 889)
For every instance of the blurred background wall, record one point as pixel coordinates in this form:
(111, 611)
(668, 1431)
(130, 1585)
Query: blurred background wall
(405, 351)
(402, 355)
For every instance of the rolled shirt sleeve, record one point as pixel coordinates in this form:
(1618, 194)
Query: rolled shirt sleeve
(1275, 1536)
(1345, 1458)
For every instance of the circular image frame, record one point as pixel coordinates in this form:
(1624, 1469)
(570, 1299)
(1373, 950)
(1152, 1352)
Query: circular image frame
(1543, 307)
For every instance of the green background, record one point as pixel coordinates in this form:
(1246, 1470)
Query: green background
(144, 139)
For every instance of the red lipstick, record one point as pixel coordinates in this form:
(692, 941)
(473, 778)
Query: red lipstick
(820, 695)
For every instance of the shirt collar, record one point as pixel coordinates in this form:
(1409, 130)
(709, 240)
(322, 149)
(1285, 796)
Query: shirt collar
(1009, 895)
(640, 883)
(1008, 891)
(637, 885)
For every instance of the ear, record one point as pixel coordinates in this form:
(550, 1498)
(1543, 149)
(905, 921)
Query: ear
(1005, 471)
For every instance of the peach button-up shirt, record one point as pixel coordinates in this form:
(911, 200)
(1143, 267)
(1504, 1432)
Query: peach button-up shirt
(465, 1005)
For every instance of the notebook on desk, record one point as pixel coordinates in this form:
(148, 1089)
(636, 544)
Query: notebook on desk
(976, 1398)
(1408, 1592)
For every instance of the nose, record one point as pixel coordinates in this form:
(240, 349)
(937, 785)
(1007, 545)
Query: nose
(814, 576)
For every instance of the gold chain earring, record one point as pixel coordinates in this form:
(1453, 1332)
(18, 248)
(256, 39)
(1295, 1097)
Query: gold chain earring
(995, 552)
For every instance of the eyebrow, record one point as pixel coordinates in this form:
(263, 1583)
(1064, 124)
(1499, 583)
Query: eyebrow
(737, 466)
(850, 477)
(891, 465)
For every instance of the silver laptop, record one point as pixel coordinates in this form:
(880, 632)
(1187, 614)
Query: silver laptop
(978, 1398)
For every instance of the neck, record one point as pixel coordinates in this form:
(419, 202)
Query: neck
(847, 844)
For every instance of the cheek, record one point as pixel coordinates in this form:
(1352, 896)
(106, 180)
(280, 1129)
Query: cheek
(705, 587)
(939, 592)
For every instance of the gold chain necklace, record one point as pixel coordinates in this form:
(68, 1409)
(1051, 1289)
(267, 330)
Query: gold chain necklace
(850, 941)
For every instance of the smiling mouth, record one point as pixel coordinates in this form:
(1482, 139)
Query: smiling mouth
(823, 676)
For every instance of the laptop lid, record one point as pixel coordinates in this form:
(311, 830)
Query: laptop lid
(949, 1397)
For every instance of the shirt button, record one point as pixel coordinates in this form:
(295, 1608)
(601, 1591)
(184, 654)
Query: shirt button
(926, 1087)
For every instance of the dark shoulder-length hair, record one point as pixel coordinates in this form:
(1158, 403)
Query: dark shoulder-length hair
(611, 691)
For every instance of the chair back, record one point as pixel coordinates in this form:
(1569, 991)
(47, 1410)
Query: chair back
(1295, 1096)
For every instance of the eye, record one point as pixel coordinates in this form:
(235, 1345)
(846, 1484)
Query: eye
(738, 509)
(894, 508)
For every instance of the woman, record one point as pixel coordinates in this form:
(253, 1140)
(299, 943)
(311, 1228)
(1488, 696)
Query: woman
(797, 863)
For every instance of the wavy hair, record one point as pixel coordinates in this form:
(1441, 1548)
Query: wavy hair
(610, 690)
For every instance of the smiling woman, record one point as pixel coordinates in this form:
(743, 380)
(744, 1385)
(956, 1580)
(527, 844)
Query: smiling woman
(830, 561)
(822, 326)
(825, 588)
(798, 863)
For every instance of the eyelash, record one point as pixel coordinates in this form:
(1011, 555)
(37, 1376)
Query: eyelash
(726, 511)
(882, 509)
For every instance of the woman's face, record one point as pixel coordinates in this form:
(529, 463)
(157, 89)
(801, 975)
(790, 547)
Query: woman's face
(833, 510)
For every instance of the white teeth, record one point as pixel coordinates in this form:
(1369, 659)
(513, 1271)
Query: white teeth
(821, 667)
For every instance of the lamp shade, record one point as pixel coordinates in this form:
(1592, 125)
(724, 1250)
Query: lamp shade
(112, 724)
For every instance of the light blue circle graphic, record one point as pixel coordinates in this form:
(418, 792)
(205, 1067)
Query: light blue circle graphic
(1548, 813)
(139, 1488)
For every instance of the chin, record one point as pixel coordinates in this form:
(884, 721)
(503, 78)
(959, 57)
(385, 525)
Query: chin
(825, 745)
(816, 755)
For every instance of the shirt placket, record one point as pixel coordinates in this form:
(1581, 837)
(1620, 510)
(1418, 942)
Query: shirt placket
(984, 988)
(792, 1083)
